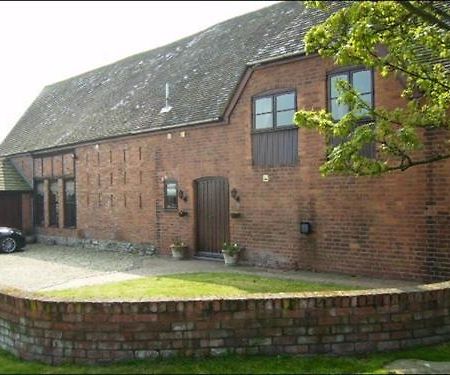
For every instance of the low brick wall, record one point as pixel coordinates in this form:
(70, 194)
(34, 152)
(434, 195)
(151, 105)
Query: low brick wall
(310, 323)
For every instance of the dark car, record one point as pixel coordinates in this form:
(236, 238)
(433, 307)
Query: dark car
(11, 239)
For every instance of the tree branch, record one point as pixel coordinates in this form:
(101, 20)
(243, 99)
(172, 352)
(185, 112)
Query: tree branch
(404, 70)
(427, 17)
(404, 167)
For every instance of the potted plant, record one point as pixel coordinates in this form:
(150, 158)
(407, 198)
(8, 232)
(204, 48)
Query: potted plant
(230, 253)
(178, 248)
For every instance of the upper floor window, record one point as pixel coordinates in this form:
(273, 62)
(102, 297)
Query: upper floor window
(272, 111)
(360, 79)
(171, 194)
(274, 136)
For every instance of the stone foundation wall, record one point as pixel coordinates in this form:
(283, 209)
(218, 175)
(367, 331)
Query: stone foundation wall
(338, 323)
(105, 245)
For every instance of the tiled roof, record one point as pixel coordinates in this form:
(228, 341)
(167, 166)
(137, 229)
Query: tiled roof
(10, 179)
(203, 71)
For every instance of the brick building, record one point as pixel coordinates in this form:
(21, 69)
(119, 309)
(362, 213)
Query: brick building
(195, 140)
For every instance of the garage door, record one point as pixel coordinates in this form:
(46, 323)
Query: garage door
(10, 210)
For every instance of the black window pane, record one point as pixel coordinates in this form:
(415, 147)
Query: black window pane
(264, 121)
(285, 118)
(54, 203)
(338, 110)
(263, 105)
(171, 195)
(285, 101)
(362, 81)
(333, 84)
(70, 208)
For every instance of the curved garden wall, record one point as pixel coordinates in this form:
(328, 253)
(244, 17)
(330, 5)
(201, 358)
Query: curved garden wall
(333, 323)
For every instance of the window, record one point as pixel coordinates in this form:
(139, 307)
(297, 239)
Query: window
(70, 204)
(53, 198)
(361, 80)
(274, 111)
(39, 203)
(274, 136)
(170, 195)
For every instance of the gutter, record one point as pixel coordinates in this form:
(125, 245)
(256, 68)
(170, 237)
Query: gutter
(275, 58)
(179, 125)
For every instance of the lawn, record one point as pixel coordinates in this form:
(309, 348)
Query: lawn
(235, 364)
(225, 284)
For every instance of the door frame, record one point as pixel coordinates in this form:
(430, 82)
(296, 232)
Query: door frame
(196, 221)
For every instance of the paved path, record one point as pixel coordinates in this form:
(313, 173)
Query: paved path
(42, 267)
(416, 366)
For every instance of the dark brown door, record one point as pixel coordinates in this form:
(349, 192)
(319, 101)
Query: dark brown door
(212, 215)
(10, 210)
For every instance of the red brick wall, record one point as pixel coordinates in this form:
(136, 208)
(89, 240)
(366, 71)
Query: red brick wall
(390, 226)
(331, 323)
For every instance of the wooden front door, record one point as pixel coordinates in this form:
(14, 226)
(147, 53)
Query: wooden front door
(212, 215)
(11, 210)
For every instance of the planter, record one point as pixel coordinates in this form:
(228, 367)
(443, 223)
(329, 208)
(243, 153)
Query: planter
(230, 260)
(178, 252)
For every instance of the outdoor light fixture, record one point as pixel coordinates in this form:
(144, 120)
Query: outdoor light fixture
(182, 195)
(234, 195)
(305, 227)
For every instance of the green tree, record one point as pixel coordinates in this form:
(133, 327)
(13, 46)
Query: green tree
(407, 40)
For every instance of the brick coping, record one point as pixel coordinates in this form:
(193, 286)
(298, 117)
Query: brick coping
(35, 296)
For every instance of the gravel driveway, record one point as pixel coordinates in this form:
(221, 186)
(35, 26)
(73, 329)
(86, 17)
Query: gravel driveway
(44, 267)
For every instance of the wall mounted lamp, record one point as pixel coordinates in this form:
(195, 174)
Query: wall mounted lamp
(182, 195)
(234, 195)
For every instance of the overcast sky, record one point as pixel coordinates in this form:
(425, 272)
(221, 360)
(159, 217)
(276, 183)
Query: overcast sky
(46, 42)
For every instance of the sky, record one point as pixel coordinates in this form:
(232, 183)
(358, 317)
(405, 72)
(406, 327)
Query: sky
(43, 42)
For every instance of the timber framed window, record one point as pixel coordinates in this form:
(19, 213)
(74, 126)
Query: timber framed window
(171, 195)
(70, 204)
(39, 193)
(274, 135)
(53, 203)
(273, 111)
(361, 79)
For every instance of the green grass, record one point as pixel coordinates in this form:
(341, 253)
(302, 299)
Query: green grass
(194, 285)
(236, 364)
